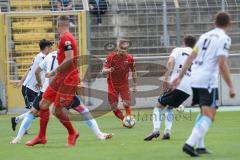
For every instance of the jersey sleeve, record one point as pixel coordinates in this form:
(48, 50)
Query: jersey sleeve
(174, 53)
(66, 43)
(108, 62)
(224, 47)
(43, 64)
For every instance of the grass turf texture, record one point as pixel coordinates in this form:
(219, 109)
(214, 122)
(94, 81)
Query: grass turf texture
(223, 139)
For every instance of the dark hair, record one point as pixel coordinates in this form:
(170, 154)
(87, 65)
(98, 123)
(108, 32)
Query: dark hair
(44, 43)
(63, 19)
(190, 41)
(222, 19)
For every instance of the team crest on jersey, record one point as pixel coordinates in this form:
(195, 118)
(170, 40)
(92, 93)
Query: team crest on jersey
(68, 45)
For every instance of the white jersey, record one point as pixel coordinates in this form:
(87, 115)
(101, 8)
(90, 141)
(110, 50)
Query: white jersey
(30, 80)
(206, 68)
(180, 55)
(47, 65)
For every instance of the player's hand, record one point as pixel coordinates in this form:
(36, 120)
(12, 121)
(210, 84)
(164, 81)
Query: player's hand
(111, 70)
(17, 84)
(232, 93)
(50, 74)
(38, 86)
(134, 89)
(176, 82)
(165, 85)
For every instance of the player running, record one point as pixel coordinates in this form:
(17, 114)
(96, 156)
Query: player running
(46, 66)
(210, 55)
(172, 98)
(117, 66)
(28, 81)
(63, 87)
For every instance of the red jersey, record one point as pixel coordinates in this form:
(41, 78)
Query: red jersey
(122, 65)
(67, 42)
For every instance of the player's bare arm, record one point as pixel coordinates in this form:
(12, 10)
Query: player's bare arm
(134, 77)
(19, 83)
(186, 66)
(224, 69)
(38, 77)
(170, 66)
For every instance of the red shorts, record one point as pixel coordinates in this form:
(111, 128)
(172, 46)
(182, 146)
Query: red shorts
(115, 91)
(62, 89)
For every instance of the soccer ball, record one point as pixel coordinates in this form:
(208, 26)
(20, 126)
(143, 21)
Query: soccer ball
(180, 108)
(129, 121)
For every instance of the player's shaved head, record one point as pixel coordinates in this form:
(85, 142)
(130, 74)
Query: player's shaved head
(63, 20)
(223, 19)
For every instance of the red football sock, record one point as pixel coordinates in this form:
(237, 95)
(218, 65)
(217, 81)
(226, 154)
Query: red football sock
(118, 113)
(44, 117)
(64, 119)
(128, 110)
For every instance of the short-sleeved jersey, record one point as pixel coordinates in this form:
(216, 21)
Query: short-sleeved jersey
(30, 80)
(47, 65)
(67, 42)
(122, 64)
(180, 55)
(209, 47)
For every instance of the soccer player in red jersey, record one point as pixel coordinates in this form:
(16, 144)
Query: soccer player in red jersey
(117, 67)
(63, 87)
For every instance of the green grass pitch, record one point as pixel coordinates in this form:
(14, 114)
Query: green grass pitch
(127, 144)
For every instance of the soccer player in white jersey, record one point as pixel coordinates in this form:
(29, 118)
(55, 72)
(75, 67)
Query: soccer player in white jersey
(172, 98)
(210, 56)
(28, 81)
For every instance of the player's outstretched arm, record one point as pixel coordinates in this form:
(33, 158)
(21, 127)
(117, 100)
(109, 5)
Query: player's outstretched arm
(134, 77)
(186, 66)
(19, 83)
(224, 69)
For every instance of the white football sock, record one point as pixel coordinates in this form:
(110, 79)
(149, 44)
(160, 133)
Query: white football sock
(200, 143)
(21, 117)
(26, 123)
(91, 122)
(169, 117)
(199, 130)
(157, 119)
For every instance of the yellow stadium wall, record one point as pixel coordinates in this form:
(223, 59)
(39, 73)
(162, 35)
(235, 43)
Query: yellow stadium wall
(14, 97)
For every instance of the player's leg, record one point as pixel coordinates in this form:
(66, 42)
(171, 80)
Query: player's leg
(208, 103)
(125, 95)
(113, 95)
(29, 97)
(62, 101)
(90, 121)
(27, 121)
(169, 117)
(44, 114)
(171, 98)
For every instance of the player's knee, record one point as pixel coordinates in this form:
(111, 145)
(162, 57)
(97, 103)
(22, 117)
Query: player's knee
(44, 104)
(158, 105)
(34, 112)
